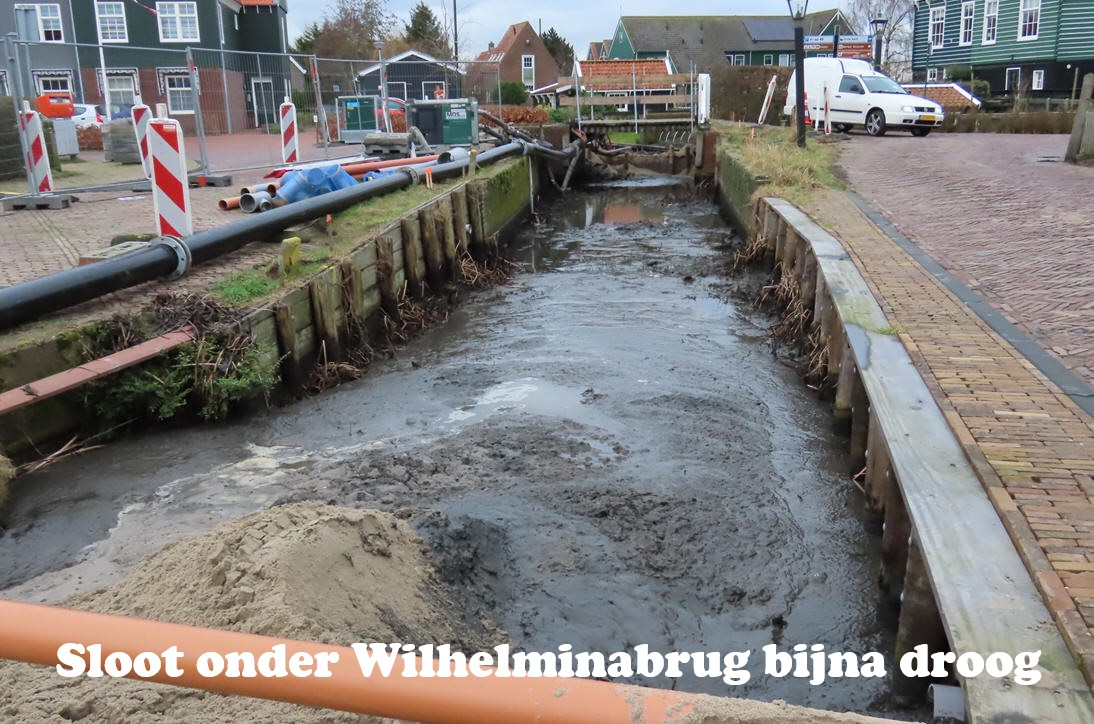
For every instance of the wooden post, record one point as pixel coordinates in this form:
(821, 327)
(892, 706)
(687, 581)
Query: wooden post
(478, 225)
(353, 302)
(289, 343)
(841, 408)
(326, 296)
(413, 256)
(771, 228)
(809, 281)
(385, 272)
(836, 341)
(860, 423)
(877, 467)
(920, 623)
(821, 304)
(459, 221)
(443, 214)
(434, 255)
(780, 238)
(894, 538)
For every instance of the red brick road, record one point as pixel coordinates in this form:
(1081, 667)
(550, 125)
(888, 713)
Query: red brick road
(1017, 229)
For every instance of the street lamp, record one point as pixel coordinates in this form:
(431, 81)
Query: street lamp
(383, 86)
(798, 8)
(878, 24)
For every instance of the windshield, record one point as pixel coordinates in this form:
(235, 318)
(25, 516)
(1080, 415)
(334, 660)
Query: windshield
(881, 84)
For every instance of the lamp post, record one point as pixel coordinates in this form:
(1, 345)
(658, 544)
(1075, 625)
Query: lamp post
(798, 8)
(878, 24)
(383, 86)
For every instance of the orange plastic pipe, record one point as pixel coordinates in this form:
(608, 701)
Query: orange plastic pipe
(366, 166)
(34, 633)
(229, 203)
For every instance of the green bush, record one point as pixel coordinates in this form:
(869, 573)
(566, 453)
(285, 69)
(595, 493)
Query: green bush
(513, 94)
(958, 73)
(561, 115)
(978, 87)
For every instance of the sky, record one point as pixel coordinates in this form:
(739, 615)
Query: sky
(579, 21)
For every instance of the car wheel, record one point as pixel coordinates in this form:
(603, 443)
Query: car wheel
(875, 122)
(920, 132)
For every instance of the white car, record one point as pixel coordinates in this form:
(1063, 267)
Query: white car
(87, 116)
(860, 96)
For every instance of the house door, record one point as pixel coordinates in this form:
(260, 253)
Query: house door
(1014, 80)
(264, 101)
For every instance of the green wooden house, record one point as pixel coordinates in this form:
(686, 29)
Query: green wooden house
(712, 41)
(1031, 47)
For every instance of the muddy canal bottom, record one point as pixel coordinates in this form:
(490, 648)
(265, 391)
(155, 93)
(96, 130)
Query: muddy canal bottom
(605, 454)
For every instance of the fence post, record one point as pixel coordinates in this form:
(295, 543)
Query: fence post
(195, 91)
(16, 71)
(320, 109)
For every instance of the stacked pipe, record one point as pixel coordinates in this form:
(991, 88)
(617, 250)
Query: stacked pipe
(168, 257)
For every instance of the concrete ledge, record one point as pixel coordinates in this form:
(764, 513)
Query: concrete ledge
(984, 594)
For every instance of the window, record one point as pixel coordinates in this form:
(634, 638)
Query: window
(932, 75)
(786, 60)
(434, 89)
(4, 83)
(1038, 80)
(1013, 79)
(735, 58)
(180, 98)
(396, 89)
(991, 21)
(178, 22)
(769, 59)
(111, 20)
(1029, 19)
(968, 9)
(39, 23)
(528, 71)
(52, 81)
(123, 91)
(938, 27)
(850, 84)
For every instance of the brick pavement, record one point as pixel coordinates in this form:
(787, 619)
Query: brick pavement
(1016, 229)
(1029, 443)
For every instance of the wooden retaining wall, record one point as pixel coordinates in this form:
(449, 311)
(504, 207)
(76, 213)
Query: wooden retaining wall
(338, 308)
(945, 553)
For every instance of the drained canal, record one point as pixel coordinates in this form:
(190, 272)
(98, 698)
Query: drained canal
(603, 453)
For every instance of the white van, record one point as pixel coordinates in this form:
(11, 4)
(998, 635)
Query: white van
(861, 96)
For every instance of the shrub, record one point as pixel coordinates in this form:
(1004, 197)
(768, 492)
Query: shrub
(737, 92)
(513, 94)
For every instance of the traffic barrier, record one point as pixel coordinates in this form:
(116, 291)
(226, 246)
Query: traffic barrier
(289, 141)
(142, 114)
(827, 111)
(37, 158)
(170, 184)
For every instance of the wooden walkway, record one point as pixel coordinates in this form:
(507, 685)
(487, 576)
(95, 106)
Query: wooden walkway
(1031, 446)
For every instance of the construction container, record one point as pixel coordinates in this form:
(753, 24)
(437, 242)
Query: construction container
(446, 121)
(357, 116)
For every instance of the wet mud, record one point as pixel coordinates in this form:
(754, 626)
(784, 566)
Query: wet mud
(604, 453)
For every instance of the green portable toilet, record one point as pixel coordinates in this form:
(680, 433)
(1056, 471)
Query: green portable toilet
(447, 121)
(356, 117)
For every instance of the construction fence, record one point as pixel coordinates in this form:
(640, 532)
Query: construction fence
(227, 102)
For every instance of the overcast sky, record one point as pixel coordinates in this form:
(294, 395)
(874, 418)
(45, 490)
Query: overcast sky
(579, 21)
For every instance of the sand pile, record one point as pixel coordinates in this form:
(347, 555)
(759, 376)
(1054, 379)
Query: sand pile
(304, 571)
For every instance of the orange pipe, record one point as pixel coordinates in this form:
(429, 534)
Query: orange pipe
(34, 633)
(366, 166)
(229, 203)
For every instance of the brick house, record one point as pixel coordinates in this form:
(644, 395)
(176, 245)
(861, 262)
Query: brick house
(521, 57)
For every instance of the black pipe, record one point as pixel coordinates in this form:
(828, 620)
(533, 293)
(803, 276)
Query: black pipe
(32, 299)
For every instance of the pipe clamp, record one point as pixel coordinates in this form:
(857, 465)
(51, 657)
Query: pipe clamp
(182, 251)
(415, 177)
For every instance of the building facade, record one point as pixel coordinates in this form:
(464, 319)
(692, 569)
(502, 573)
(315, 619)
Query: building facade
(1026, 47)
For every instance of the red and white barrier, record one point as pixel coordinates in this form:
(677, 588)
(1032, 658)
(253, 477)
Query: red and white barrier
(142, 114)
(767, 99)
(170, 184)
(30, 124)
(290, 148)
(827, 110)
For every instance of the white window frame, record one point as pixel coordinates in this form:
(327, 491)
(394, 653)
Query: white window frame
(1032, 9)
(400, 83)
(100, 5)
(37, 8)
(968, 15)
(428, 94)
(1038, 81)
(1006, 78)
(937, 18)
(167, 78)
(528, 63)
(786, 60)
(769, 59)
(43, 76)
(173, 11)
(932, 75)
(991, 22)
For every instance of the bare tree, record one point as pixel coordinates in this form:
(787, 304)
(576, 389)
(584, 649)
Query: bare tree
(896, 36)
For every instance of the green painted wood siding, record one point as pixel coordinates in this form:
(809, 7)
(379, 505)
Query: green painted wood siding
(1066, 32)
(621, 43)
(1076, 40)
